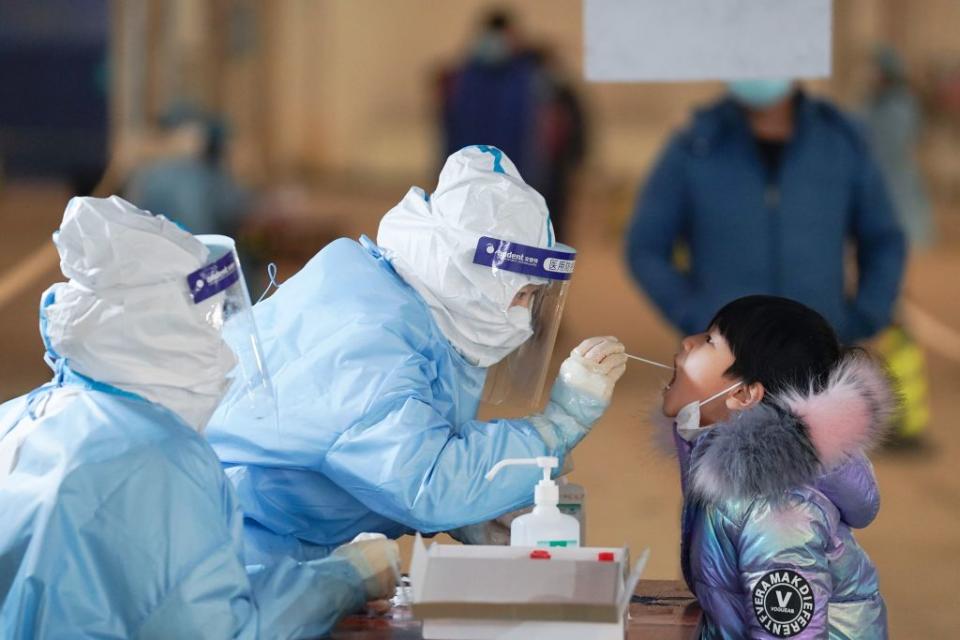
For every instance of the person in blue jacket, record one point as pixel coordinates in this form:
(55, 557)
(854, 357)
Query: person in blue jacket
(118, 521)
(767, 188)
(379, 354)
(498, 96)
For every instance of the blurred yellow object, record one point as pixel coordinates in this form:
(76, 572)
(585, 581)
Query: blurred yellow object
(907, 367)
(681, 256)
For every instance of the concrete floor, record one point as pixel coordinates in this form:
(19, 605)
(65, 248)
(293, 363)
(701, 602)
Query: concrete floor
(633, 490)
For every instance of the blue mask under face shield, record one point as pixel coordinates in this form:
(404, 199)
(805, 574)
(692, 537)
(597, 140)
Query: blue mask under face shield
(760, 93)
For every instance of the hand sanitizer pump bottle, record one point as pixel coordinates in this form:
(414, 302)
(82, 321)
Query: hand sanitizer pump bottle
(545, 526)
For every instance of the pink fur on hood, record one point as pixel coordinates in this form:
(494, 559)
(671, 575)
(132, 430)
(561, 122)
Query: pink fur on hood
(850, 414)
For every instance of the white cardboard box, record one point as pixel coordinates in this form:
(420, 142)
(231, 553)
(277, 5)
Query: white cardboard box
(500, 593)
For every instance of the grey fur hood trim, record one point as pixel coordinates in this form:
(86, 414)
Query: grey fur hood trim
(789, 442)
(761, 452)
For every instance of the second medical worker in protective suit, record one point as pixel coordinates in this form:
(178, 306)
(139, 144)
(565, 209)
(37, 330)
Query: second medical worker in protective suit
(117, 519)
(379, 354)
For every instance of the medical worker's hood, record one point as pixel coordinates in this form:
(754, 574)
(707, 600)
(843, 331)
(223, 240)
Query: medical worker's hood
(106, 243)
(126, 317)
(431, 241)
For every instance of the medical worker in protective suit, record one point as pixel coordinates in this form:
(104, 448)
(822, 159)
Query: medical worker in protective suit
(380, 353)
(117, 519)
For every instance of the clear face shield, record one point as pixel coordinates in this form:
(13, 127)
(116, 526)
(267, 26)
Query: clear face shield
(222, 291)
(540, 278)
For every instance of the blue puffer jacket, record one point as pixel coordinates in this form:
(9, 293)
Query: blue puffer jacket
(769, 501)
(710, 189)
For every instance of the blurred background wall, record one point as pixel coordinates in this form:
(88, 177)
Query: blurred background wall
(308, 88)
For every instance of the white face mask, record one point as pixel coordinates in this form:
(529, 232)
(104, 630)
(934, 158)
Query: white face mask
(521, 319)
(688, 420)
(480, 331)
(510, 334)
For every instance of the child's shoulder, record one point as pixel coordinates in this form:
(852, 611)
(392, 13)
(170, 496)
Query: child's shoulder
(847, 495)
(803, 512)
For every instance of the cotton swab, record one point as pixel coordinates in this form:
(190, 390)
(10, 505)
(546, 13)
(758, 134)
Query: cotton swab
(650, 362)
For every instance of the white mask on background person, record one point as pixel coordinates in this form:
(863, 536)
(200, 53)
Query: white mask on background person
(688, 420)
(492, 48)
(760, 93)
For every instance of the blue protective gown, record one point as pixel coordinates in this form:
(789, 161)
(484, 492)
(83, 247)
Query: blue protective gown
(377, 428)
(118, 522)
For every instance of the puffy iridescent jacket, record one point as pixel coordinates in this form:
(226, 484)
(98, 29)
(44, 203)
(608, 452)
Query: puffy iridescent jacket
(770, 498)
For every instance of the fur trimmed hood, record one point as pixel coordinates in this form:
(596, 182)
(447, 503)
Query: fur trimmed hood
(792, 441)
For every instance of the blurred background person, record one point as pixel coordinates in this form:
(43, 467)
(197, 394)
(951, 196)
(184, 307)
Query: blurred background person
(494, 96)
(564, 139)
(191, 182)
(764, 188)
(894, 125)
(512, 95)
(182, 172)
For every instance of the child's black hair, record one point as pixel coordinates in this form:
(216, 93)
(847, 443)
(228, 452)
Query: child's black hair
(779, 343)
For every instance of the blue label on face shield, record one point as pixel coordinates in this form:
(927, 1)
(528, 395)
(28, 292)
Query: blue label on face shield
(212, 279)
(520, 258)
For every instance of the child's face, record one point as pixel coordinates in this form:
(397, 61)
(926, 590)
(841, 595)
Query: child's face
(700, 373)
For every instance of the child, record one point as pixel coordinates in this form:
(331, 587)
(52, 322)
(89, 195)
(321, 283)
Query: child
(771, 421)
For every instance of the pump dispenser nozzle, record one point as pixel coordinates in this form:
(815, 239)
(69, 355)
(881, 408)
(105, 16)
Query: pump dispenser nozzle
(544, 462)
(545, 526)
(547, 492)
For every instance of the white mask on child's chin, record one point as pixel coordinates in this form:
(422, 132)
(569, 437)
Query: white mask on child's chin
(688, 420)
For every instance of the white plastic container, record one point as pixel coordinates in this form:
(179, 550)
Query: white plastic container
(545, 526)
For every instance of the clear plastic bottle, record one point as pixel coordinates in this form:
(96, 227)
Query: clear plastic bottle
(545, 526)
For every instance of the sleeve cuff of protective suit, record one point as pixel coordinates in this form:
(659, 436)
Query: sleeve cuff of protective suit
(305, 599)
(568, 416)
